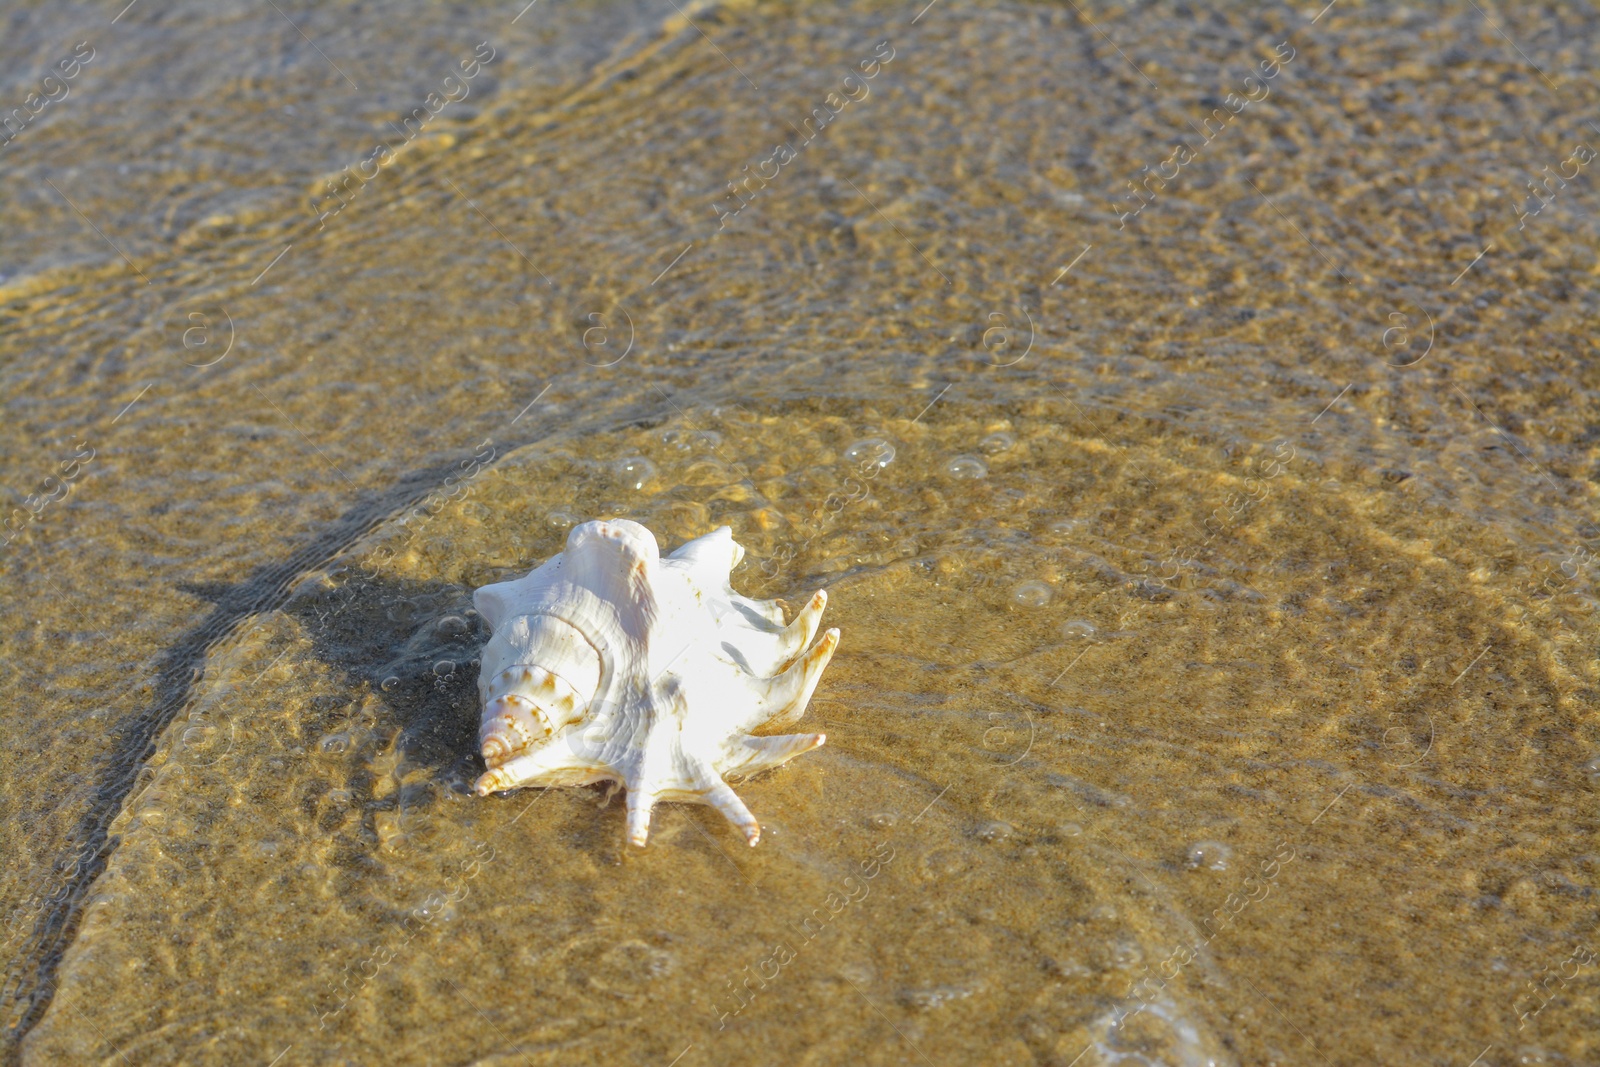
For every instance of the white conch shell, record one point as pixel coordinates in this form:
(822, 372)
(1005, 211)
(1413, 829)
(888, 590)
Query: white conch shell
(611, 663)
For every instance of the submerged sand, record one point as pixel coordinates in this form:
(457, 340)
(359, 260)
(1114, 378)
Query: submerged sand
(1213, 554)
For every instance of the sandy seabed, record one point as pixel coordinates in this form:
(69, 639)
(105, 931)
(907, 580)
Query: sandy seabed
(1190, 412)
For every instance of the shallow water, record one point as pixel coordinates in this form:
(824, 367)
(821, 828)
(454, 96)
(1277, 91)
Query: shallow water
(1213, 564)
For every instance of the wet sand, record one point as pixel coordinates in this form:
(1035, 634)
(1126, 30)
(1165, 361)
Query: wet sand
(1204, 485)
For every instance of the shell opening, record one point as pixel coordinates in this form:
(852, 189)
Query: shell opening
(532, 706)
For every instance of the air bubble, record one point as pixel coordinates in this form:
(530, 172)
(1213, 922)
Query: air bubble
(630, 968)
(936, 997)
(870, 452)
(1032, 594)
(943, 863)
(451, 627)
(1207, 855)
(1591, 770)
(401, 610)
(966, 467)
(996, 443)
(1075, 628)
(636, 472)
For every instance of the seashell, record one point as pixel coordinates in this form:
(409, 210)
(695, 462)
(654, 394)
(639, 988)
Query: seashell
(612, 663)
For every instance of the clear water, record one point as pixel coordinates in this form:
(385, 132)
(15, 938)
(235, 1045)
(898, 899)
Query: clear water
(1213, 560)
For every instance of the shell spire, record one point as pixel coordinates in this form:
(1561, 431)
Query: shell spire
(613, 663)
